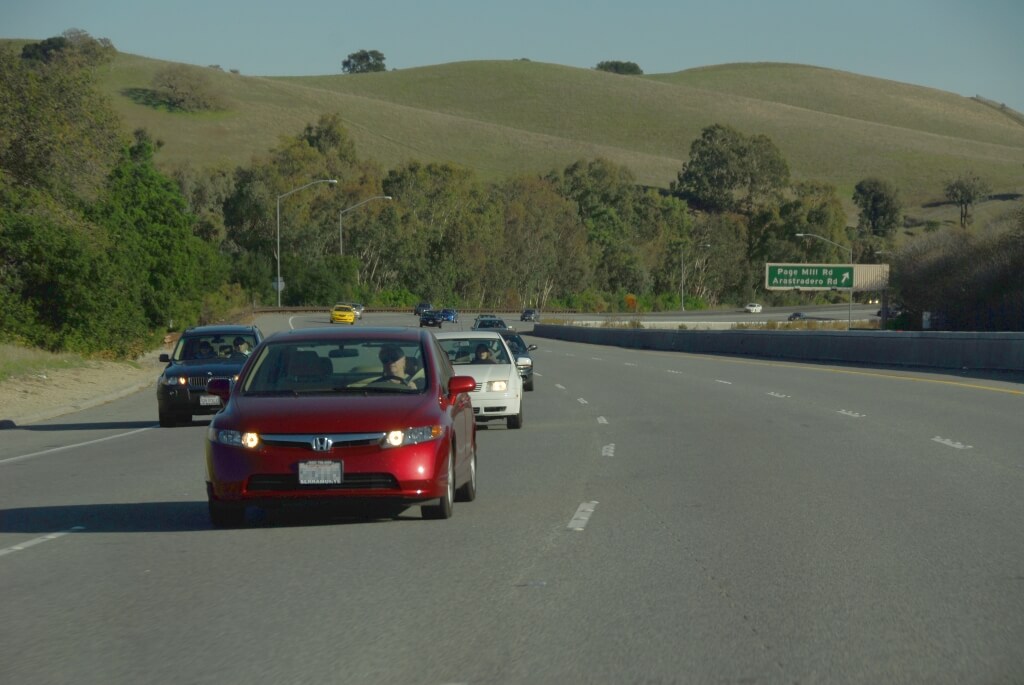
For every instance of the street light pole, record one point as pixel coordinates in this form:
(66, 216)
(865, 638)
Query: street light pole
(279, 197)
(849, 249)
(341, 234)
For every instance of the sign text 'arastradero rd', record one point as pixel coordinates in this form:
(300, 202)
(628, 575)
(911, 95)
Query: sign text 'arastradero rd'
(808, 276)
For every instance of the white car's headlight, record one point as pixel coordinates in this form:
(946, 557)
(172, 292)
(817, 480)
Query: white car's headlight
(411, 436)
(497, 386)
(234, 438)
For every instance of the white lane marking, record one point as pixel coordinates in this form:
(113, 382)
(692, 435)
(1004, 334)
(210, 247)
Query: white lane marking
(583, 512)
(39, 541)
(631, 364)
(949, 443)
(847, 412)
(77, 444)
(779, 395)
(559, 386)
(601, 419)
(608, 450)
(723, 382)
(597, 359)
(674, 371)
(581, 400)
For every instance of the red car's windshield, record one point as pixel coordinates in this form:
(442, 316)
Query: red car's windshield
(332, 366)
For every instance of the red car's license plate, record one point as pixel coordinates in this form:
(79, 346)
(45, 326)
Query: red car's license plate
(319, 472)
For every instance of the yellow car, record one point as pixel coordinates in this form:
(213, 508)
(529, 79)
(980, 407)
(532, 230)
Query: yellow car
(342, 313)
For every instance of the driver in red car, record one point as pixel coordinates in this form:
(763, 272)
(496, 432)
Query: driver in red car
(394, 361)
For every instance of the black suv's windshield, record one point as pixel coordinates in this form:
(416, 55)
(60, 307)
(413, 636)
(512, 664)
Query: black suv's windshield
(214, 347)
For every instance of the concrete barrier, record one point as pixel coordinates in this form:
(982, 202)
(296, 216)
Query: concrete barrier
(927, 349)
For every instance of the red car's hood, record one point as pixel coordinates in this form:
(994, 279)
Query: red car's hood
(329, 413)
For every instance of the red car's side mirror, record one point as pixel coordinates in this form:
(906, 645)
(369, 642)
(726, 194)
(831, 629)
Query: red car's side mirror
(459, 384)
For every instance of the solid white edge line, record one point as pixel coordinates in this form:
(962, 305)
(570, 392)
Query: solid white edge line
(77, 444)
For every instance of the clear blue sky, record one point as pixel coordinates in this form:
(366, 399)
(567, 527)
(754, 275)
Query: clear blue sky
(962, 46)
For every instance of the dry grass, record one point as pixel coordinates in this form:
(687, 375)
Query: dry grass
(503, 118)
(17, 361)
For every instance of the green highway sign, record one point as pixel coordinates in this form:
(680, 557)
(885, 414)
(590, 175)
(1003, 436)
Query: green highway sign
(808, 276)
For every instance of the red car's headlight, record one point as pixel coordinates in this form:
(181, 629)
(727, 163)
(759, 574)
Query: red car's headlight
(411, 436)
(234, 438)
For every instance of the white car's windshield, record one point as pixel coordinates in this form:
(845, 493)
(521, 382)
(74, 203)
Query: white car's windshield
(475, 351)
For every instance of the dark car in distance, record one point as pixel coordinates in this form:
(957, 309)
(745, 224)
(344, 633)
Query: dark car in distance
(529, 315)
(796, 316)
(364, 416)
(450, 315)
(489, 324)
(201, 354)
(431, 317)
(422, 307)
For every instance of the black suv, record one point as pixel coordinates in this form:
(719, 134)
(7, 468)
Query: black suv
(519, 350)
(422, 307)
(201, 354)
(529, 315)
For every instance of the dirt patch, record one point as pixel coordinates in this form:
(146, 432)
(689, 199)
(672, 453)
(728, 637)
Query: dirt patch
(36, 397)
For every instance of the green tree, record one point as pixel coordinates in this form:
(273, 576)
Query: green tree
(186, 88)
(543, 240)
(728, 171)
(438, 216)
(880, 209)
(607, 196)
(765, 172)
(45, 50)
(618, 67)
(965, 191)
(363, 61)
(57, 131)
(152, 243)
(713, 170)
(205, 193)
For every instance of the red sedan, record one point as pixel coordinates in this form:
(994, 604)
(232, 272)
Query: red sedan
(368, 414)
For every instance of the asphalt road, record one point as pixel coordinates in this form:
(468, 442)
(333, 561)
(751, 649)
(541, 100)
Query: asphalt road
(660, 518)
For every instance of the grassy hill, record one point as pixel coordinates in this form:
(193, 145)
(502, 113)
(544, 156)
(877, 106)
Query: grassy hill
(509, 117)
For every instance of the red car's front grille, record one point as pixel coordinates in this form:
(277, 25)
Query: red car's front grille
(269, 482)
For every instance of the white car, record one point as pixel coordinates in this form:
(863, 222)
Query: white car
(753, 308)
(486, 357)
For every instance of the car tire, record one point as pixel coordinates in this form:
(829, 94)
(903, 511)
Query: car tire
(443, 509)
(224, 515)
(515, 421)
(528, 385)
(467, 493)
